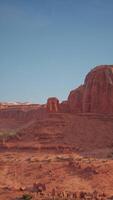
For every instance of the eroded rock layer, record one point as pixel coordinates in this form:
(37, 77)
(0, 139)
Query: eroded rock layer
(96, 95)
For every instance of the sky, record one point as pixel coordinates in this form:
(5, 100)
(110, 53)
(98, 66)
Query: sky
(48, 46)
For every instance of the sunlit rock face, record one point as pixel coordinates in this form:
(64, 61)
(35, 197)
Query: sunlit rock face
(64, 107)
(96, 94)
(53, 104)
(75, 100)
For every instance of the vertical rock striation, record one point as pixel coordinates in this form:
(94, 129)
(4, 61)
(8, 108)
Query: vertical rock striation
(96, 95)
(53, 104)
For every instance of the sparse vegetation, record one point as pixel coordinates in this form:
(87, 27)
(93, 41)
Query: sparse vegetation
(7, 133)
(62, 195)
(26, 197)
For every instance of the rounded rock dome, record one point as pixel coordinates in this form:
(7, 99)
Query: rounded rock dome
(96, 94)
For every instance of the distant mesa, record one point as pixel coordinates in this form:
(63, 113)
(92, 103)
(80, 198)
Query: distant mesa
(18, 106)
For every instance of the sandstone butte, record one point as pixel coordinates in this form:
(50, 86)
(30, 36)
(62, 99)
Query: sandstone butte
(94, 96)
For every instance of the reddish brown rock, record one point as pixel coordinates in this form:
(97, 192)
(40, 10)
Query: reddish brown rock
(64, 107)
(75, 99)
(22, 115)
(96, 95)
(53, 104)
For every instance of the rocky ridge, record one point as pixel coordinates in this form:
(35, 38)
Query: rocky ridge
(94, 96)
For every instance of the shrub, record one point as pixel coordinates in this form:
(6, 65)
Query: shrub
(26, 197)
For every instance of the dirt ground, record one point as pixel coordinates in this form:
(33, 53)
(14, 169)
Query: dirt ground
(67, 153)
(70, 171)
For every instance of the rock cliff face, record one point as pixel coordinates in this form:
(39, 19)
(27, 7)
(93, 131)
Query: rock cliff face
(96, 95)
(64, 107)
(53, 104)
(75, 99)
(23, 115)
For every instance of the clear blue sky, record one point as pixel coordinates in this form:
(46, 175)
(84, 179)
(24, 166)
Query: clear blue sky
(48, 46)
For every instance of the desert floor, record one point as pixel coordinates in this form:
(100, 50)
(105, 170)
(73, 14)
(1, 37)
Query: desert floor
(63, 171)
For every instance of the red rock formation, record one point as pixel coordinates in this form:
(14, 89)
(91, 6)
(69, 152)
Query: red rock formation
(23, 115)
(53, 104)
(75, 99)
(64, 107)
(96, 95)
